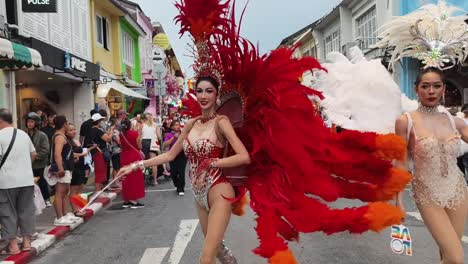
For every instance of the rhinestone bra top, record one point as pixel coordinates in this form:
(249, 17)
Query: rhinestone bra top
(200, 150)
(437, 178)
(197, 151)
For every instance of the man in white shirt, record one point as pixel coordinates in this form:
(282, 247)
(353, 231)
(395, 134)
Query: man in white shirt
(16, 185)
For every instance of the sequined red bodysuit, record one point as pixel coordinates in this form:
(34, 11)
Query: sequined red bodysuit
(197, 149)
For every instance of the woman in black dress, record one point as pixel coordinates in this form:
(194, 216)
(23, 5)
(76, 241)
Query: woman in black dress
(79, 169)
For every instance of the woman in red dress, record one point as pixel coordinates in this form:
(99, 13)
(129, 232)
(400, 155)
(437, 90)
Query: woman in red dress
(133, 186)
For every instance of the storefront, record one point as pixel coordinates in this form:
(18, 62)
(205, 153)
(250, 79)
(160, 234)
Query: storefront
(63, 86)
(113, 95)
(14, 58)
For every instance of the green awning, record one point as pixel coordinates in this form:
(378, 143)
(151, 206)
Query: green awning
(17, 56)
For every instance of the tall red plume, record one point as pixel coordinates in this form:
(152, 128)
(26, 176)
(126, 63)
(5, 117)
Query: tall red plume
(201, 17)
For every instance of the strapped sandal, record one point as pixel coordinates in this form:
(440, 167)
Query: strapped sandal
(26, 249)
(225, 255)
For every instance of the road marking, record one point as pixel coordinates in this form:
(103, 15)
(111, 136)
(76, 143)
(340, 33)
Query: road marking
(183, 237)
(415, 215)
(419, 217)
(154, 255)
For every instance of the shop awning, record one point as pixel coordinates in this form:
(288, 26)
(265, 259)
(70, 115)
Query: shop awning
(14, 56)
(104, 88)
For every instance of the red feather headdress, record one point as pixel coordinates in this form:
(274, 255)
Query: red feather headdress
(294, 157)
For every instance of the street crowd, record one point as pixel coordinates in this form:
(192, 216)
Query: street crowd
(50, 162)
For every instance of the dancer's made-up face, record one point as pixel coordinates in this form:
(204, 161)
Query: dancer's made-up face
(431, 89)
(206, 95)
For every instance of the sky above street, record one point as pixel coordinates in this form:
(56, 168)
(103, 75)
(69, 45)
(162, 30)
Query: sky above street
(266, 22)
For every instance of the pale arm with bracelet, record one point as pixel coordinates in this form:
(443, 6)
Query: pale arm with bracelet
(225, 128)
(164, 158)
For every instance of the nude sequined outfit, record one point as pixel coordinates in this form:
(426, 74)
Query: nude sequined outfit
(437, 178)
(197, 149)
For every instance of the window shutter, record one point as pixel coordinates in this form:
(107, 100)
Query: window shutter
(66, 25)
(80, 28)
(56, 27)
(27, 27)
(42, 27)
(76, 28)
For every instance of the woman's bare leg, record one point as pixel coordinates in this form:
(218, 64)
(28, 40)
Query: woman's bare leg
(60, 191)
(438, 222)
(66, 198)
(458, 217)
(97, 187)
(218, 220)
(154, 169)
(202, 217)
(74, 190)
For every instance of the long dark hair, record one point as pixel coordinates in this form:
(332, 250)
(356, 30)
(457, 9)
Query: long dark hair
(126, 125)
(429, 70)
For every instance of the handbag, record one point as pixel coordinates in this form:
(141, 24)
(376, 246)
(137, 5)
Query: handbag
(10, 146)
(106, 154)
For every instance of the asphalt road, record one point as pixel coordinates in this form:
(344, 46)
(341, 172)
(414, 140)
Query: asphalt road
(166, 231)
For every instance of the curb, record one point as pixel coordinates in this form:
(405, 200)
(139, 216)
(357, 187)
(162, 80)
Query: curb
(45, 240)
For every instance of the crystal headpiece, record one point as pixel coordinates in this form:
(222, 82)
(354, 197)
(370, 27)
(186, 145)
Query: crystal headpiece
(205, 65)
(431, 34)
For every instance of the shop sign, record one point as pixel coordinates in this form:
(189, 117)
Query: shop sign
(39, 6)
(149, 83)
(62, 60)
(161, 40)
(74, 63)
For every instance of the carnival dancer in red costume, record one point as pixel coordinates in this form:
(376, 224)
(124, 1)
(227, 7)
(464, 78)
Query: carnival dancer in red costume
(267, 106)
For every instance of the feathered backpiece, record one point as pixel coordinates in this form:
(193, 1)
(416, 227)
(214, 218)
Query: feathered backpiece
(297, 164)
(431, 34)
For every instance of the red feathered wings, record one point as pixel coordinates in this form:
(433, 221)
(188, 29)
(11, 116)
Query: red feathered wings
(296, 162)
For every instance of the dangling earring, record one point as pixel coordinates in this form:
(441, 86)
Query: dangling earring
(218, 102)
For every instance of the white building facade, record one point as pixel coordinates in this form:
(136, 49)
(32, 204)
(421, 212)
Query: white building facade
(64, 84)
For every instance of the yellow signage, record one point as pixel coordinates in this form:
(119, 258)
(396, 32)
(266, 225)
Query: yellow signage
(162, 41)
(191, 84)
